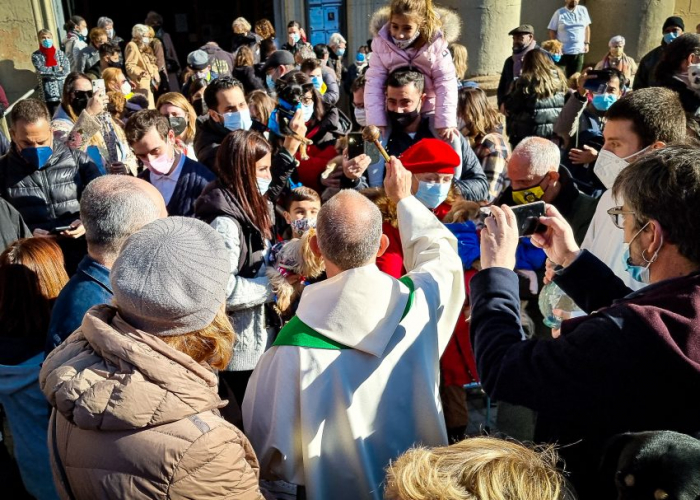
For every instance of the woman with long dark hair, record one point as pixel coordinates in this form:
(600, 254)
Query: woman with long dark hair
(674, 69)
(532, 108)
(31, 277)
(239, 205)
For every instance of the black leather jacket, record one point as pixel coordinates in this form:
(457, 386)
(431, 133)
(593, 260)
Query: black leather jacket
(49, 197)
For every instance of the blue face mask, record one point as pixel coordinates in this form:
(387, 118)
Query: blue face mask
(270, 83)
(602, 102)
(296, 37)
(639, 273)
(555, 57)
(239, 120)
(317, 81)
(37, 157)
(432, 194)
(360, 58)
(669, 37)
(340, 52)
(46, 43)
(307, 111)
(263, 184)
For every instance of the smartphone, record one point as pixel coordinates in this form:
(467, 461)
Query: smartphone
(98, 84)
(357, 146)
(60, 229)
(599, 82)
(527, 217)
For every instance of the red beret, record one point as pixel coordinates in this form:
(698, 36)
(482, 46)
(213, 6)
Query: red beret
(430, 155)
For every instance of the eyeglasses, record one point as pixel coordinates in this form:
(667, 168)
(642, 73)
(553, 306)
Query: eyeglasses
(616, 214)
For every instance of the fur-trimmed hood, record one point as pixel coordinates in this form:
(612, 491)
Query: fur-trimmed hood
(451, 22)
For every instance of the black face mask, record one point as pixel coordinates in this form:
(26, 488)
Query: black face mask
(198, 106)
(178, 124)
(402, 120)
(114, 64)
(80, 100)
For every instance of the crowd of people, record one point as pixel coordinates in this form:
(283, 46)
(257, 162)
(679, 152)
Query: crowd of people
(269, 271)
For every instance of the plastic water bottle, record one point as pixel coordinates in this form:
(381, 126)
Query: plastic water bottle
(556, 306)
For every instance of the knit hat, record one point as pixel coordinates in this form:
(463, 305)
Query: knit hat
(674, 21)
(198, 59)
(170, 277)
(430, 155)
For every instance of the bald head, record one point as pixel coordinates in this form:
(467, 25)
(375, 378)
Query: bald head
(532, 159)
(349, 230)
(112, 208)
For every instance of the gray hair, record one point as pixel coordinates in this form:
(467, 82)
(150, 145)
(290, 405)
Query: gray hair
(140, 31)
(241, 25)
(349, 230)
(336, 39)
(104, 21)
(542, 155)
(112, 208)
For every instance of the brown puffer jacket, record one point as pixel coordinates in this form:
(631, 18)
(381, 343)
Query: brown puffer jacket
(137, 419)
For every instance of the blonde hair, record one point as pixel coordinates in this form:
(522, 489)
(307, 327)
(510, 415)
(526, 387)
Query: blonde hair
(240, 25)
(212, 345)
(552, 46)
(139, 31)
(179, 101)
(460, 58)
(540, 77)
(263, 104)
(110, 76)
(423, 12)
(481, 468)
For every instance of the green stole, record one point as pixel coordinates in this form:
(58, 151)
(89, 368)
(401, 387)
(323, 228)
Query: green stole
(299, 334)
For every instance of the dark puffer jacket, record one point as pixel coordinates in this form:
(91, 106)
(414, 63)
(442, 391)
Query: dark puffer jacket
(49, 197)
(528, 115)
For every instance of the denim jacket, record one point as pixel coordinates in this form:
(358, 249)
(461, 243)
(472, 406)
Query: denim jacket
(88, 287)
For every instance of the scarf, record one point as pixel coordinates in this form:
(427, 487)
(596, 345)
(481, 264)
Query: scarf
(50, 55)
(518, 58)
(620, 64)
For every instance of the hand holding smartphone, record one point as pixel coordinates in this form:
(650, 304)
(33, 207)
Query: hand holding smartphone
(527, 217)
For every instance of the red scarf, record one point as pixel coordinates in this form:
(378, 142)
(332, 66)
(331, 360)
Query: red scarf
(50, 55)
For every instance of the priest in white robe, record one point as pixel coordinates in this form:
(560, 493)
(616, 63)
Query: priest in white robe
(352, 380)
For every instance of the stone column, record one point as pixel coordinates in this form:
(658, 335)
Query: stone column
(485, 27)
(639, 21)
(358, 14)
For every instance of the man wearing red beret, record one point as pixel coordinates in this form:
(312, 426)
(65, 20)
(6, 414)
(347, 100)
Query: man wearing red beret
(432, 164)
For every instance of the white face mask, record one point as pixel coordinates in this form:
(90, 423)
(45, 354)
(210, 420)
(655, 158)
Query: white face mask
(126, 88)
(403, 44)
(146, 40)
(608, 166)
(361, 116)
(84, 32)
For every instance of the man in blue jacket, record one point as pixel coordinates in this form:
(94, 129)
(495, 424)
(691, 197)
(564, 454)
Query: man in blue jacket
(112, 208)
(178, 178)
(597, 379)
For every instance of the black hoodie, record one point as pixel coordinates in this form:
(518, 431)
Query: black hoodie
(633, 365)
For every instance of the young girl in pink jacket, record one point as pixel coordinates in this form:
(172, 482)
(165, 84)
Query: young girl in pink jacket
(414, 33)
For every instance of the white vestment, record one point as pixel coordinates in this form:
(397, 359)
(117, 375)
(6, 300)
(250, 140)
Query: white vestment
(333, 419)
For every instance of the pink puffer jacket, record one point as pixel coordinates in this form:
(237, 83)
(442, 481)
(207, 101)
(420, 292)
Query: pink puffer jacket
(433, 60)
